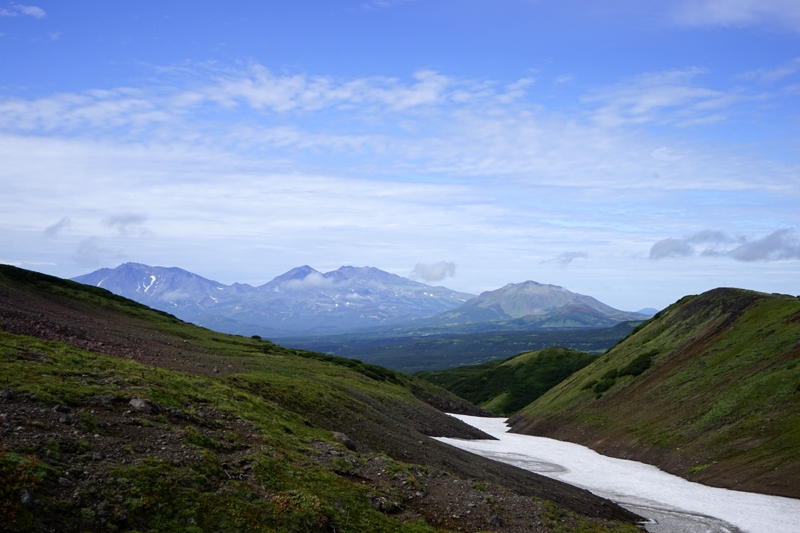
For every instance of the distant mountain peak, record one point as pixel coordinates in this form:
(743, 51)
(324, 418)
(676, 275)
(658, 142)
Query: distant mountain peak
(537, 305)
(297, 273)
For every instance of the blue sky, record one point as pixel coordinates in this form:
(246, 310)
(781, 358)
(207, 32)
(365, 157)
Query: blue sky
(633, 151)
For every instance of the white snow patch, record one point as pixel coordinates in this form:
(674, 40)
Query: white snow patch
(672, 503)
(152, 280)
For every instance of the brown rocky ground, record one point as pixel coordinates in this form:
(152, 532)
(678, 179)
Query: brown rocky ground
(85, 443)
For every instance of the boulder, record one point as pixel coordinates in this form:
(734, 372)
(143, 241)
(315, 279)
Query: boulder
(344, 439)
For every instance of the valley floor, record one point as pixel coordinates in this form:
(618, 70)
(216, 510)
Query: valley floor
(673, 504)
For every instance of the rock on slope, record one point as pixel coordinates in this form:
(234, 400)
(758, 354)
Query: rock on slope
(708, 389)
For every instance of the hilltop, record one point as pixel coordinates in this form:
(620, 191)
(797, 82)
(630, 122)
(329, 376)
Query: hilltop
(709, 389)
(505, 387)
(118, 416)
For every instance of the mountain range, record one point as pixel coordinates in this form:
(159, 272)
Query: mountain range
(305, 301)
(301, 300)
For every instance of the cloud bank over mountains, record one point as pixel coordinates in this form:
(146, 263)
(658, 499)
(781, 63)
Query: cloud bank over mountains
(435, 272)
(780, 245)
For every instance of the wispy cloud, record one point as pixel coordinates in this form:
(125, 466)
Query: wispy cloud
(55, 229)
(662, 97)
(782, 244)
(91, 253)
(775, 74)
(383, 4)
(16, 10)
(225, 93)
(435, 272)
(258, 88)
(739, 13)
(126, 223)
(566, 258)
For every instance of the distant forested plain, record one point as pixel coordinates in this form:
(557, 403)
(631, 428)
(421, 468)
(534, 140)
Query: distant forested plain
(428, 352)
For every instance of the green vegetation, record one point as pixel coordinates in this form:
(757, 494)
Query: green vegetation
(508, 386)
(634, 368)
(707, 388)
(155, 495)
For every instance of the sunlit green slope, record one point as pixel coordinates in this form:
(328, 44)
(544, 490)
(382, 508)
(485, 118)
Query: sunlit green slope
(709, 388)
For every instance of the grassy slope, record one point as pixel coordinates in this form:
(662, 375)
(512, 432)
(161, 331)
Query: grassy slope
(709, 389)
(51, 353)
(508, 386)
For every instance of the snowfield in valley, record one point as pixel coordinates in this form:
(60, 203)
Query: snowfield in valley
(671, 503)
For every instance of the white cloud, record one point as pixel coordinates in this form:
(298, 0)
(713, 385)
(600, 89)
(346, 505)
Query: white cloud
(435, 272)
(313, 280)
(16, 10)
(739, 13)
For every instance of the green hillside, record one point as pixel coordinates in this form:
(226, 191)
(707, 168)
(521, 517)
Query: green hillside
(505, 387)
(709, 389)
(116, 417)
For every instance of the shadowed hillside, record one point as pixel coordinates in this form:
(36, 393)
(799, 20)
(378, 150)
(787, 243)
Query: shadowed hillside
(505, 387)
(708, 389)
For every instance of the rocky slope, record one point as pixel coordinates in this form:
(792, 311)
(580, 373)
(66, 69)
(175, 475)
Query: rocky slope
(708, 389)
